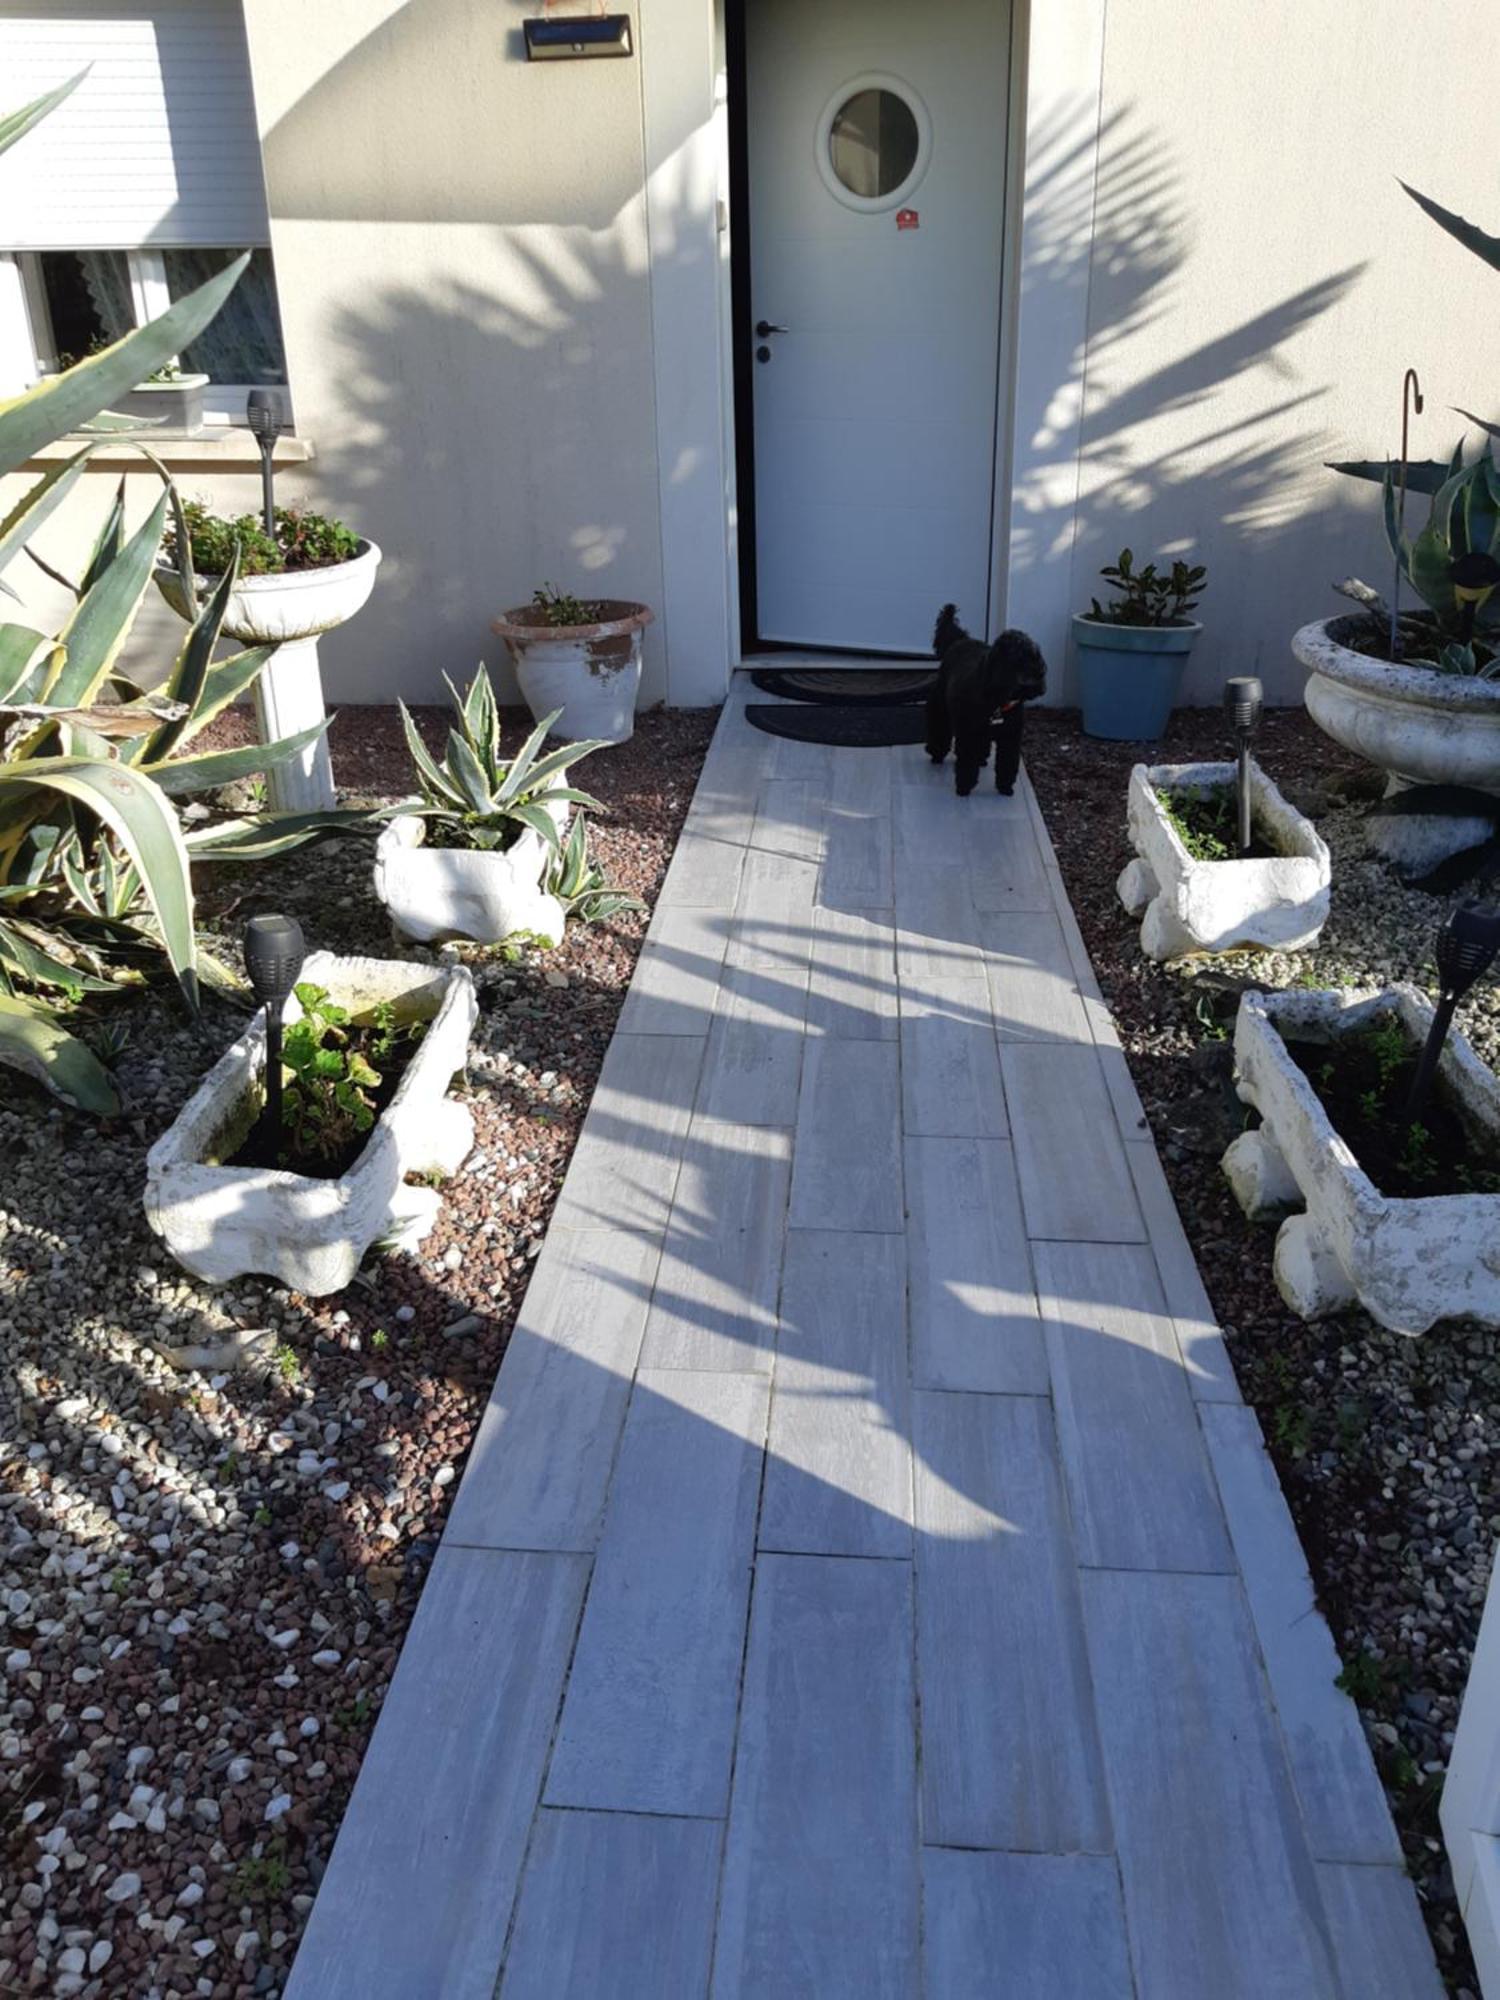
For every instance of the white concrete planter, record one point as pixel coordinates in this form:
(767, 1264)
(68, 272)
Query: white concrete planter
(435, 893)
(591, 672)
(1409, 1263)
(1470, 1808)
(1427, 727)
(290, 611)
(1278, 903)
(222, 1222)
(167, 407)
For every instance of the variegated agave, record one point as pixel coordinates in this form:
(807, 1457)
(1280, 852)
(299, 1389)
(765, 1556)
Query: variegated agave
(94, 864)
(578, 881)
(476, 796)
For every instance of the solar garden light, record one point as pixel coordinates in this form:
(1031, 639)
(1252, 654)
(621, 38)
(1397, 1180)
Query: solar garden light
(1242, 700)
(1466, 949)
(274, 951)
(263, 415)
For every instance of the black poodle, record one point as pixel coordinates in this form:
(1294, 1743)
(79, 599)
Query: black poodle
(977, 698)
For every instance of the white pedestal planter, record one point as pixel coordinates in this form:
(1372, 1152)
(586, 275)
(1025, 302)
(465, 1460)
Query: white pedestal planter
(1470, 1808)
(1430, 728)
(1278, 903)
(435, 893)
(221, 1222)
(1409, 1263)
(290, 611)
(591, 672)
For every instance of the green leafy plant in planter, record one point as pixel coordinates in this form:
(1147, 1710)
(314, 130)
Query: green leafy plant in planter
(476, 796)
(559, 607)
(328, 1079)
(1148, 596)
(302, 541)
(95, 883)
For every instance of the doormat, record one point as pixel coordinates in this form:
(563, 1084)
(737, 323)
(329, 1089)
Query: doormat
(847, 687)
(854, 728)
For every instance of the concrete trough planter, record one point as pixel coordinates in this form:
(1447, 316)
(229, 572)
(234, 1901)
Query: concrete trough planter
(1277, 903)
(451, 892)
(222, 1222)
(1409, 1263)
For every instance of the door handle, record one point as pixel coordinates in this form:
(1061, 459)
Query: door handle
(765, 326)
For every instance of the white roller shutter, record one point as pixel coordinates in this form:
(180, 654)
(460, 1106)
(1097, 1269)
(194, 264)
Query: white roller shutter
(158, 144)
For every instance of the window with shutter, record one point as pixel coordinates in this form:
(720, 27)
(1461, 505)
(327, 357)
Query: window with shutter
(135, 189)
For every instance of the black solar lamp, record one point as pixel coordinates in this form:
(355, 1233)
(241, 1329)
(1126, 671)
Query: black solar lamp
(1466, 948)
(274, 951)
(263, 415)
(1243, 704)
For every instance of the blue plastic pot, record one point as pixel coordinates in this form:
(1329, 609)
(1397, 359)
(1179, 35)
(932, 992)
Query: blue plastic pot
(1129, 675)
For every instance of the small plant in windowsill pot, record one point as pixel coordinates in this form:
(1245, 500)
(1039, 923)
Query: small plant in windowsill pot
(1223, 860)
(480, 854)
(1133, 650)
(323, 1129)
(1382, 1128)
(578, 660)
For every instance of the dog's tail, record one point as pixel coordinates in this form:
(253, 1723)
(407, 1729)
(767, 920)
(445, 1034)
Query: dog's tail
(947, 630)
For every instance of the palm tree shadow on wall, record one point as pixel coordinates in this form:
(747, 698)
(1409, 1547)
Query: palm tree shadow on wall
(1217, 448)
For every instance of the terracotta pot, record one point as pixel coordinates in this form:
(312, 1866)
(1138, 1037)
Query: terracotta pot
(591, 672)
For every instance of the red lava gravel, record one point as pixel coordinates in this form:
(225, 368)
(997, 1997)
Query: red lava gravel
(206, 1574)
(1388, 1448)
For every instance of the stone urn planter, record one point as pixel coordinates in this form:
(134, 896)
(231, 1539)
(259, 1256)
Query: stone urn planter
(1420, 725)
(1278, 902)
(222, 1222)
(1409, 1263)
(435, 893)
(290, 610)
(591, 672)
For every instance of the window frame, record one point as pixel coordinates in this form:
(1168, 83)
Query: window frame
(26, 329)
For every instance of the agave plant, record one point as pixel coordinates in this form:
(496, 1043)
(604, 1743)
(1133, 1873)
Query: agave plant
(578, 882)
(94, 864)
(476, 797)
(1454, 566)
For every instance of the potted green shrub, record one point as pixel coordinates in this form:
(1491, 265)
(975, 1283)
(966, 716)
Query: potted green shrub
(312, 575)
(578, 660)
(480, 853)
(1133, 650)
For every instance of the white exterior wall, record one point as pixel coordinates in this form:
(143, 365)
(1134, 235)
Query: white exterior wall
(1222, 287)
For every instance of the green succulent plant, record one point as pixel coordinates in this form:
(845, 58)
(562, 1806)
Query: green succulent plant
(1149, 596)
(579, 884)
(476, 796)
(95, 878)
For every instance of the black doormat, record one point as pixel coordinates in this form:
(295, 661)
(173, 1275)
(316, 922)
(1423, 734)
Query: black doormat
(847, 687)
(855, 728)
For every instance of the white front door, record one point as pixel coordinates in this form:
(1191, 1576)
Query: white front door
(877, 150)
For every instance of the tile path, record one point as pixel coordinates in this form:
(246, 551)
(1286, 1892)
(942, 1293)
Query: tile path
(867, 1580)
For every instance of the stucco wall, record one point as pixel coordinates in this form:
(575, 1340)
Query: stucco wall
(1249, 284)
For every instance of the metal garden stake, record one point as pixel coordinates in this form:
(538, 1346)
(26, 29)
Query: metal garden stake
(1242, 699)
(1411, 404)
(274, 951)
(263, 415)
(1466, 949)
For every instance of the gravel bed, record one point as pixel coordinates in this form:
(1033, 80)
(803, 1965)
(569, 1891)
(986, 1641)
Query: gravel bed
(206, 1575)
(1388, 1448)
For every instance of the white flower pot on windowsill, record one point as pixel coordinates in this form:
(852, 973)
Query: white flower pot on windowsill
(290, 609)
(436, 893)
(172, 408)
(591, 672)
(1408, 1262)
(1277, 902)
(222, 1222)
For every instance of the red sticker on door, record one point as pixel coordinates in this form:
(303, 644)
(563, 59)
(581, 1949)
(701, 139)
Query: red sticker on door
(908, 218)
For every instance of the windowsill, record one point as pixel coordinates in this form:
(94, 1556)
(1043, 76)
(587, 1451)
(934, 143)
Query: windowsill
(227, 445)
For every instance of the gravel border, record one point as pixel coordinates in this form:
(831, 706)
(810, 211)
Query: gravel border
(1388, 1449)
(205, 1577)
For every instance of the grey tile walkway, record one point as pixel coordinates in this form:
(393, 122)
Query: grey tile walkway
(866, 1580)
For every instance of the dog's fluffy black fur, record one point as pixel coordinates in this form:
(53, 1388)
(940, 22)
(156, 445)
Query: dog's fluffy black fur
(977, 699)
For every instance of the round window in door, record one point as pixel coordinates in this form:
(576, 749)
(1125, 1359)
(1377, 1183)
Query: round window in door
(874, 141)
